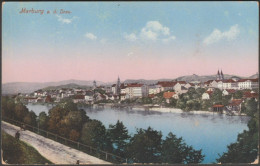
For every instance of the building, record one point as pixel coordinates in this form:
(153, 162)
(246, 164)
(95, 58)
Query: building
(118, 84)
(169, 95)
(218, 108)
(220, 75)
(226, 92)
(250, 94)
(247, 84)
(179, 88)
(136, 90)
(235, 105)
(78, 99)
(166, 85)
(113, 88)
(229, 84)
(206, 95)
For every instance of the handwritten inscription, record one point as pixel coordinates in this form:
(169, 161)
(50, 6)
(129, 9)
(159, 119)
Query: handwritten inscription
(41, 11)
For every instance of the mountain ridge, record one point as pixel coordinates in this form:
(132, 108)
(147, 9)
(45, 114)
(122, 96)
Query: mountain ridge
(28, 87)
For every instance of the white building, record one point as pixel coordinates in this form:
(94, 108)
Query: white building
(206, 95)
(247, 84)
(229, 84)
(179, 88)
(136, 90)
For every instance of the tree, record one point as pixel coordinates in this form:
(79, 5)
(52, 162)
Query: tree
(217, 96)
(175, 150)
(56, 115)
(8, 106)
(245, 149)
(30, 118)
(74, 135)
(173, 102)
(145, 146)
(251, 107)
(119, 138)
(191, 92)
(94, 134)
(43, 120)
(20, 111)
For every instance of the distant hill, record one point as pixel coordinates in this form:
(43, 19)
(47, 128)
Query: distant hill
(195, 77)
(67, 86)
(143, 81)
(254, 76)
(28, 87)
(188, 78)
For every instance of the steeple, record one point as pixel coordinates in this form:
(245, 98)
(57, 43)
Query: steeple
(118, 86)
(218, 75)
(222, 75)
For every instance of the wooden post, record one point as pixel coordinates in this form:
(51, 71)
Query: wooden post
(47, 134)
(126, 160)
(78, 145)
(106, 156)
(56, 136)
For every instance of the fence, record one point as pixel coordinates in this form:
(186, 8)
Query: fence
(76, 145)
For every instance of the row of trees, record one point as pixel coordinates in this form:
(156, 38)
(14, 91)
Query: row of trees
(145, 146)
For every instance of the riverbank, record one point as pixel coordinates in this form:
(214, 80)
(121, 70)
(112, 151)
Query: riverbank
(167, 109)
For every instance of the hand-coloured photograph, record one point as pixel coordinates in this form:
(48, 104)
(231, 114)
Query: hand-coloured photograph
(130, 83)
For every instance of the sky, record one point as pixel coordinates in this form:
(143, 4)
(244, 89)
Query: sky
(132, 40)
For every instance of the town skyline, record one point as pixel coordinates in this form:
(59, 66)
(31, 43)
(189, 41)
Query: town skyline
(99, 40)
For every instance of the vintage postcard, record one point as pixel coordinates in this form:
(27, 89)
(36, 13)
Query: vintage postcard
(130, 82)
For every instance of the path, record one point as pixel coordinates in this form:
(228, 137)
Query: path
(53, 151)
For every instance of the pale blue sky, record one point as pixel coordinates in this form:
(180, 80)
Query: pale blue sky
(128, 31)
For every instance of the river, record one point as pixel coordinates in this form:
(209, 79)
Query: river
(209, 132)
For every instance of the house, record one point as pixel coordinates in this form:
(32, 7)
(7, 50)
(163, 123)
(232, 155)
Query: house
(89, 96)
(168, 95)
(183, 83)
(188, 85)
(78, 98)
(218, 108)
(179, 88)
(166, 85)
(250, 94)
(152, 89)
(113, 88)
(207, 83)
(206, 95)
(229, 84)
(214, 84)
(122, 88)
(235, 105)
(226, 92)
(247, 83)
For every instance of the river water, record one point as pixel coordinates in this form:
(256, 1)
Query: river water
(209, 132)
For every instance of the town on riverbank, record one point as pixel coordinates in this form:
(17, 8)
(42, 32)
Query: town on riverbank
(228, 96)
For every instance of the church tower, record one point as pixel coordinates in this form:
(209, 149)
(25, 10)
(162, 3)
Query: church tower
(118, 86)
(218, 75)
(222, 75)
